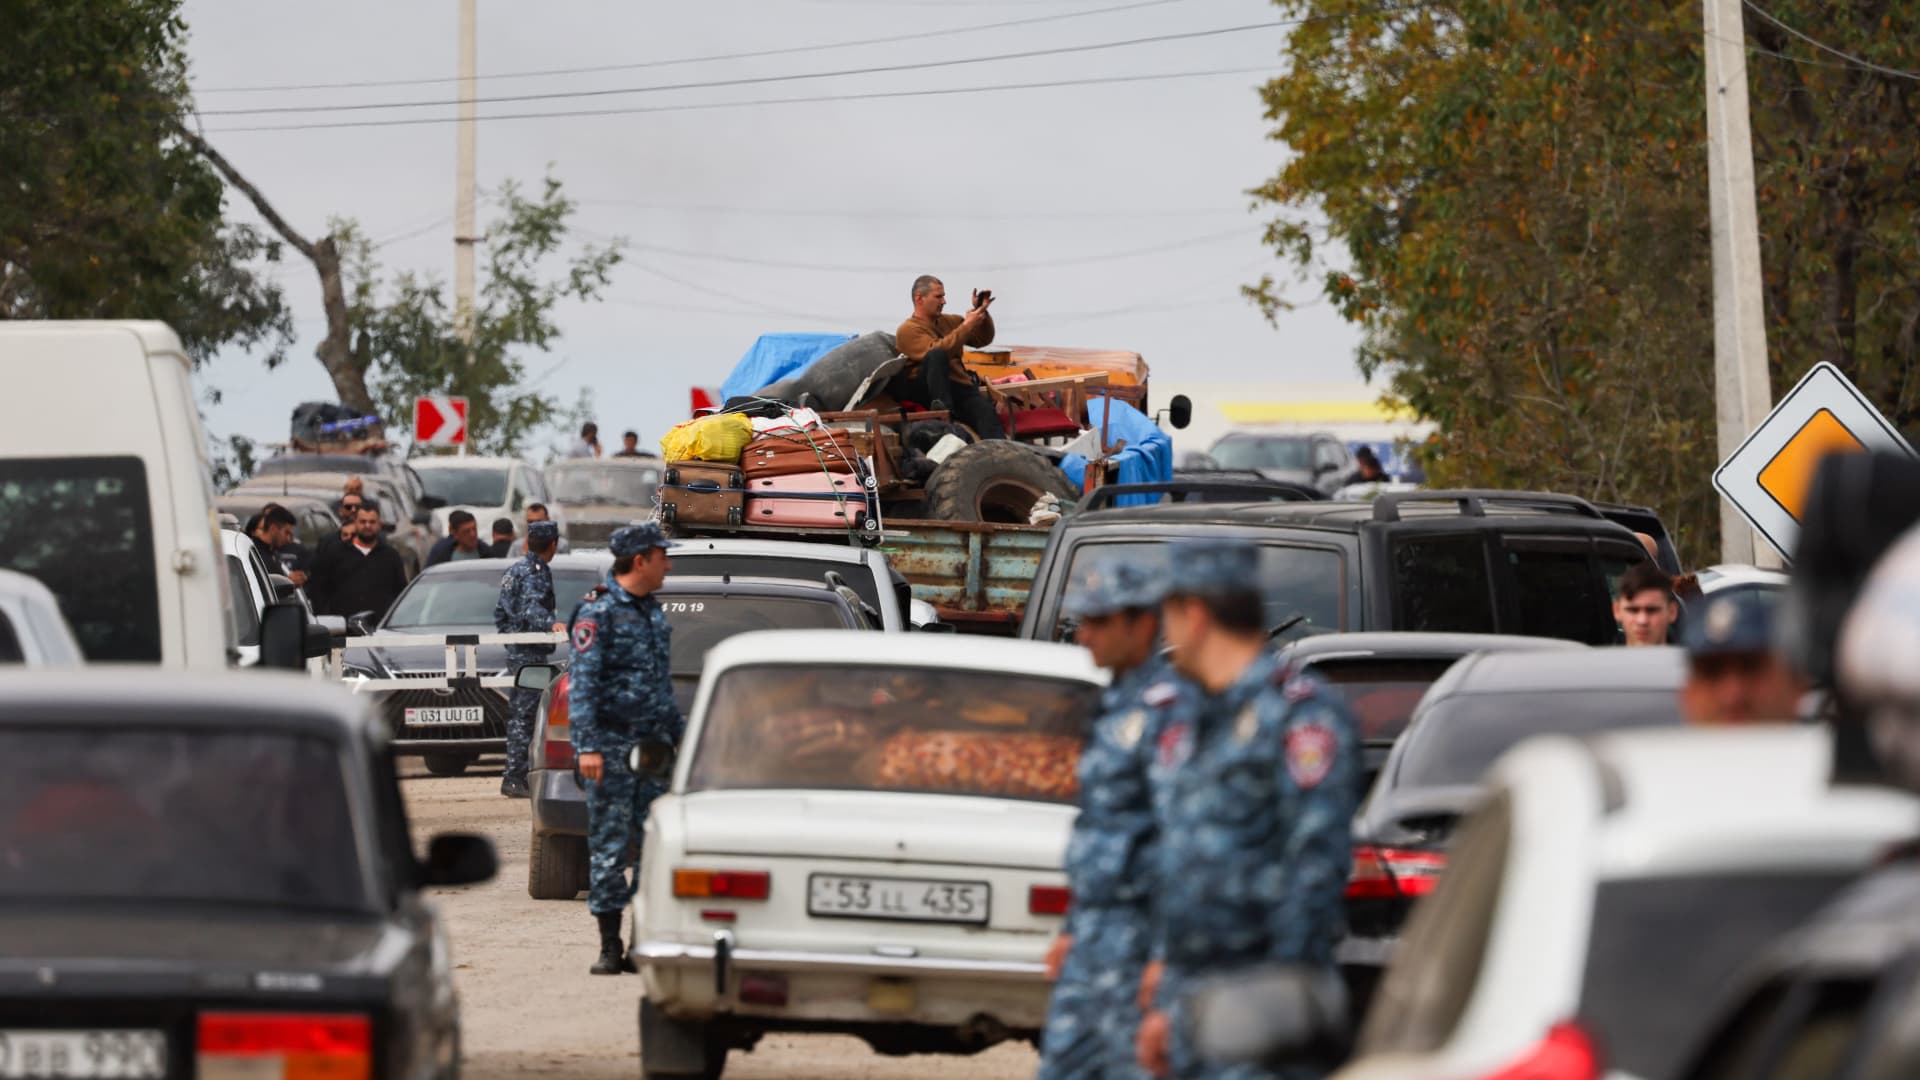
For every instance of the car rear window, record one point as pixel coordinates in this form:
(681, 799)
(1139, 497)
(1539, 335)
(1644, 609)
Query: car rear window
(1300, 586)
(700, 620)
(894, 728)
(1644, 1025)
(781, 567)
(84, 527)
(89, 813)
(1382, 691)
(1459, 737)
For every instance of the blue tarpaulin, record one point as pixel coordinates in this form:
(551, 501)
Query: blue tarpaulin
(1147, 458)
(776, 356)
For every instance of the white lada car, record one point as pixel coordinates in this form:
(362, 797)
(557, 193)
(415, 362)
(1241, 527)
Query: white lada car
(862, 838)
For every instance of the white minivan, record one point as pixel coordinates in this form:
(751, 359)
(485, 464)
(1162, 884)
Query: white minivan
(104, 477)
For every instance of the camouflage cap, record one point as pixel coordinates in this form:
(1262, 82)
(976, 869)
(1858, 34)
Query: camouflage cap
(1212, 567)
(635, 539)
(1107, 586)
(542, 533)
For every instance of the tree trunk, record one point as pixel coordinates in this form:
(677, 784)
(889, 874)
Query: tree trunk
(335, 353)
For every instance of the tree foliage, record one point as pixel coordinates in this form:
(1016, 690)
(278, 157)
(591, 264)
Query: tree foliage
(107, 213)
(1517, 193)
(407, 335)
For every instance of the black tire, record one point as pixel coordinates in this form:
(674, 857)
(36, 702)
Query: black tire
(448, 764)
(556, 866)
(993, 480)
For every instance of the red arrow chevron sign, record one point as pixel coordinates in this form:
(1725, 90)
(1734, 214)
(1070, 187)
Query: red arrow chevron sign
(439, 421)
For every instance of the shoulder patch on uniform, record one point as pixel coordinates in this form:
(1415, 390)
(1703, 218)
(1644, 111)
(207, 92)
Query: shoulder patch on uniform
(584, 633)
(595, 593)
(1160, 693)
(1130, 728)
(1310, 752)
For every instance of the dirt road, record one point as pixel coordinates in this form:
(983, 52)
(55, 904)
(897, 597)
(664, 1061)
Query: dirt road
(529, 1006)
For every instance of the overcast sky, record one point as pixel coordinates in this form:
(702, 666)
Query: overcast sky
(1105, 215)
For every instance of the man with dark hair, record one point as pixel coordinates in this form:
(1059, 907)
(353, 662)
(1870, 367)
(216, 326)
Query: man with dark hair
(1094, 1012)
(535, 512)
(620, 695)
(1366, 467)
(629, 445)
(271, 530)
(461, 542)
(935, 345)
(502, 545)
(588, 444)
(347, 510)
(526, 606)
(363, 574)
(1254, 798)
(1644, 605)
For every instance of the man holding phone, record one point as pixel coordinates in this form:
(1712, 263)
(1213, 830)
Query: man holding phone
(934, 345)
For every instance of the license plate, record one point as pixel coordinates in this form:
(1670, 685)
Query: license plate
(903, 899)
(451, 715)
(79, 1055)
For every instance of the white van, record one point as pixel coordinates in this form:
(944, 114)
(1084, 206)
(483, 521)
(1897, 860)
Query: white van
(107, 495)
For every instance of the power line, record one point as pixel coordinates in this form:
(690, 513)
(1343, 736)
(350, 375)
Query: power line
(841, 268)
(703, 106)
(912, 215)
(437, 223)
(1856, 61)
(713, 58)
(758, 80)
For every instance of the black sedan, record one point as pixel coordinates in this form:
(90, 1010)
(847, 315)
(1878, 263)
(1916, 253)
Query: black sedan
(451, 727)
(198, 882)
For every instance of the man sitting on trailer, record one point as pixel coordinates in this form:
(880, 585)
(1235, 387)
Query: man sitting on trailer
(934, 345)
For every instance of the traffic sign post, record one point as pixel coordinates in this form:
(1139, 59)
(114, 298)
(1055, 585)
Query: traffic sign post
(1767, 477)
(440, 420)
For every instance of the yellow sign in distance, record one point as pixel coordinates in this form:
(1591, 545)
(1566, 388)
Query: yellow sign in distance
(1788, 476)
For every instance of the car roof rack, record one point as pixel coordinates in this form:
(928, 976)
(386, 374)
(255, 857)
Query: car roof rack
(1205, 491)
(1473, 502)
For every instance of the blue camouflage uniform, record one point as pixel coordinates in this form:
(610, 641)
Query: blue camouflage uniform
(621, 692)
(526, 606)
(1254, 795)
(1094, 1012)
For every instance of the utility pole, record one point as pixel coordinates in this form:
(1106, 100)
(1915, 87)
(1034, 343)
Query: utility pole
(1742, 394)
(464, 237)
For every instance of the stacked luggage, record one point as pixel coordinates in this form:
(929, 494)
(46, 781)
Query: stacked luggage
(782, 475)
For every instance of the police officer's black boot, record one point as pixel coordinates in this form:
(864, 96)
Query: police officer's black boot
(613, 959)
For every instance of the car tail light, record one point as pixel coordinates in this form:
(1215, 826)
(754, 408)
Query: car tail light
(1049, 899)
(556, 746)
(286, 1046)
(1385, 873)
(1567, 1053)
(722, 884)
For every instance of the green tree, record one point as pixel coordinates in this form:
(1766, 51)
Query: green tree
(108, 213)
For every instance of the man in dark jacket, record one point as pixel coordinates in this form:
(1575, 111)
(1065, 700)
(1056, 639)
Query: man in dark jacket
(364, 573)
(272, 530)
(461, 542)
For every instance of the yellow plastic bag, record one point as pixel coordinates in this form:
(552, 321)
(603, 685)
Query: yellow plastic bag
(721, 437)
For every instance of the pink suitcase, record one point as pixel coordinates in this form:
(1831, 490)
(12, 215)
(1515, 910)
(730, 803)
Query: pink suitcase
(815, 499)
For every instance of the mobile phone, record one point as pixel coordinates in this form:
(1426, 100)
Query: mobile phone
(983, 296)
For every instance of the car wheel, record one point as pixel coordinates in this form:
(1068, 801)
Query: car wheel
(678, 1049)
(556, 866)
(444, 765)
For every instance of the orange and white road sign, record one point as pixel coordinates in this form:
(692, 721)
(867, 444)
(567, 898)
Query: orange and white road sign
(1767, 478)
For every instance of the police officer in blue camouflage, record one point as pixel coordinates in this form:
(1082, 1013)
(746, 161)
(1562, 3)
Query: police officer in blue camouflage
(526, 606)
(1254, 796)
(1097, 960)
(621, 694)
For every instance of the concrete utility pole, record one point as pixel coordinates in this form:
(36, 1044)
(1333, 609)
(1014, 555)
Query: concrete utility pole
(464, 237)
(1742, 394)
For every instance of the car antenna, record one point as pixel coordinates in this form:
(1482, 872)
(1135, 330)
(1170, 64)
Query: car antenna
(1285, 626)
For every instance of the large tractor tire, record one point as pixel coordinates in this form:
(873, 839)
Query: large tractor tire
(994, 480)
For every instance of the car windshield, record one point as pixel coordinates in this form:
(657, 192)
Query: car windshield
(1382, 691)
(466, 599)
(620, 485)
(1252, 453)
(467, 486)
(1641, 924)
(1301, 586)
(691, 560)
(84, 527)
(145, 815)
(1459, 737)
(862, 727)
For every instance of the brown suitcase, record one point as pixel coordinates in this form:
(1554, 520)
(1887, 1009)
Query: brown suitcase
(703, 493)
(791, 454)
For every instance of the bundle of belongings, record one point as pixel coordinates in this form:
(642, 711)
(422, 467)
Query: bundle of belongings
(324, 427)
(730, 469)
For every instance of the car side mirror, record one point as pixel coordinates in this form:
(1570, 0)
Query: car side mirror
(360, 624)
(283, 586)
(535, 676)
(1180, 411)
(430, 502)
(459, 859)
(422, 516)
(388, 526)
(283, 636)
(316, 641)
(1273, 1017)
(652, 757)
(334, 625)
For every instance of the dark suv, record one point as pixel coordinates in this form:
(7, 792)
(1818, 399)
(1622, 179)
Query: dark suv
(1478, 562)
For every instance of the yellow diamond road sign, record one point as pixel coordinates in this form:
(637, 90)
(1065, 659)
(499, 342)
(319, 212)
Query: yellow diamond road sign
(1768, 477)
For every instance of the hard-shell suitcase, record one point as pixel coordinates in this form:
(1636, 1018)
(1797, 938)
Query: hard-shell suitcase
(815, 499)
(702, 493)
(796, 452)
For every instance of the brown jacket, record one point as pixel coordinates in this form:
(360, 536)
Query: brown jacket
(917, 337)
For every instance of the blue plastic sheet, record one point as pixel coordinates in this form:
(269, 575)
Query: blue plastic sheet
(774, 357)
(1146, 459)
